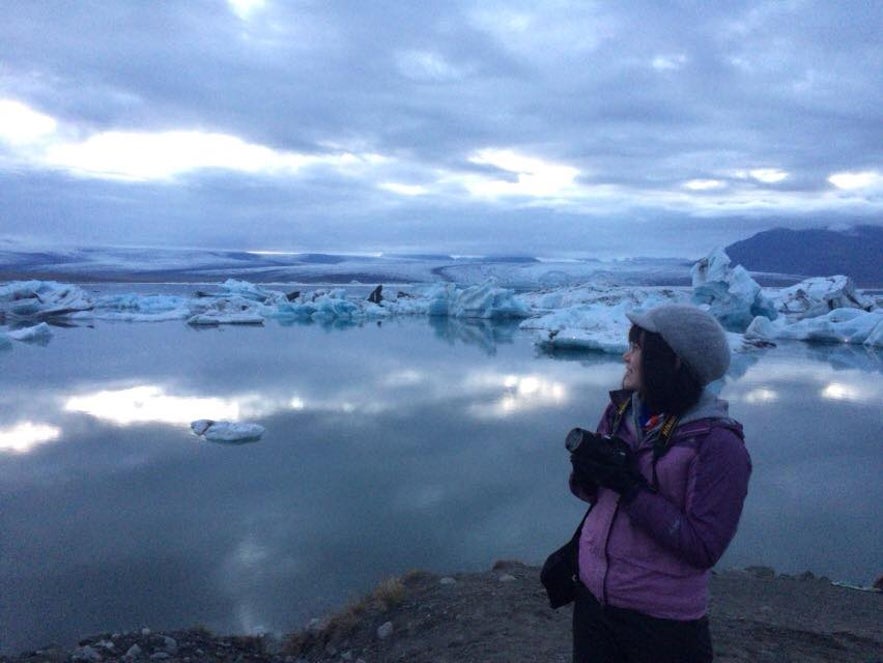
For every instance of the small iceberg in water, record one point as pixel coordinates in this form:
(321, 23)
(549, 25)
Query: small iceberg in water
(227, 431)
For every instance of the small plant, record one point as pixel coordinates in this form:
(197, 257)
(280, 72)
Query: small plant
(389, 593)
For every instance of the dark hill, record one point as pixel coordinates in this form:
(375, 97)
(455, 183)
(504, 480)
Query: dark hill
(857, 252)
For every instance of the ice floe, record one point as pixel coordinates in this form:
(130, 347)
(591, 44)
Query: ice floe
(38, 333)
(227, 431)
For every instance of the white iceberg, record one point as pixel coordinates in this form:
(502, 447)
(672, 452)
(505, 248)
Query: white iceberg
(842, 325)
(232, 310)
(138, 308)
(245, 290)
(819, 296)
(227, 431)
(39, 333)
(590, 318)
(729, 293)
(42, 299)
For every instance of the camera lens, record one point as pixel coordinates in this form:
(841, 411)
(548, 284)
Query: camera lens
(574, 439)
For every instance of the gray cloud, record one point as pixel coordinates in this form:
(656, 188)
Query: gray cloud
(672, 119)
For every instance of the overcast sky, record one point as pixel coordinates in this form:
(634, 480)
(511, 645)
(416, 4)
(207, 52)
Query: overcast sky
(473, 127)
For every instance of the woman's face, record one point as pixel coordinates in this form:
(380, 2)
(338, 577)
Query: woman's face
(633, 378)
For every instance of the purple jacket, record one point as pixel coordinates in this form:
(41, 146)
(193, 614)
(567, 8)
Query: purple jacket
(655, 554)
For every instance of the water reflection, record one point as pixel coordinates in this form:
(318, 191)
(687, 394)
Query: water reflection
(761, 395)
(511, 394)
(485, 334)
(841, 392)
(411, 445)
(150, 403)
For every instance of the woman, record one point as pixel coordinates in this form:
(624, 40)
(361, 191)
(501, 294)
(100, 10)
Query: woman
(664, 517)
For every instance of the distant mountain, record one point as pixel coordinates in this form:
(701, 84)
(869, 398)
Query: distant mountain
(857, 253)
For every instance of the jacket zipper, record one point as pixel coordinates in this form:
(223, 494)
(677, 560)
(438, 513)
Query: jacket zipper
(607, 551)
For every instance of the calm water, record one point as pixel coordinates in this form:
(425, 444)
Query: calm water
(408, 445)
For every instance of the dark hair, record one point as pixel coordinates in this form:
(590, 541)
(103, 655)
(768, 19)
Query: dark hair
(669, 386)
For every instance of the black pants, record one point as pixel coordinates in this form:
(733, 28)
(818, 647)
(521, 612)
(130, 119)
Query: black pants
(605, 634)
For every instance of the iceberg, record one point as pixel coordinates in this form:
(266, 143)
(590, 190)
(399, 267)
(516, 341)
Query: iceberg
(818, 296)
(235, 309)
(39, 333)
(244, 290)
(729, 293)
(487, 301)
(324, 306)
(42, 299)
(137, 308)
(842, 325)
(227, 431)
(591, 318)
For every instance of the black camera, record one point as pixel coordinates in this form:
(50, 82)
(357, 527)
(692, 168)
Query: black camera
(601, 449)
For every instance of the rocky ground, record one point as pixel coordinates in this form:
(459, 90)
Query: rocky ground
(502, 615)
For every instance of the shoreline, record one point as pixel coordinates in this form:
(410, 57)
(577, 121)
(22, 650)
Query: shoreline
(502, 615)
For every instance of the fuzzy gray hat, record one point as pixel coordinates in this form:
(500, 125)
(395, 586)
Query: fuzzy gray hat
(694, 335)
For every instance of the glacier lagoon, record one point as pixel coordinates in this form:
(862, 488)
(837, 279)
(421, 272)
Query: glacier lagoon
(390, 445)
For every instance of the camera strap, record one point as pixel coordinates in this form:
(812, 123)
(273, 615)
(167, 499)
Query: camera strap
(620, 413)
(662, 443)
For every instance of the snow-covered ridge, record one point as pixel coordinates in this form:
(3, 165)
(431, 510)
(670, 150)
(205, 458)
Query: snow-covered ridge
(590, 316)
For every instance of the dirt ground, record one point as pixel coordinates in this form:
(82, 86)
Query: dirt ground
(502, 615)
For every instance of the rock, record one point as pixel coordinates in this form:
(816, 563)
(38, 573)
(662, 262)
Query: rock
(507, 577)
(316, 625)
(169, 645)
(384, 630)
(133, 652)
(86, 653)
(376, 297)
(761, 571)
(447, 580)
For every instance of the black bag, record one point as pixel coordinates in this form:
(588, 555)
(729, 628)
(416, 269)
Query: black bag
(560, 572)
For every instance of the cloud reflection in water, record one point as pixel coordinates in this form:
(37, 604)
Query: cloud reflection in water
(519, 393)
(150, 403)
